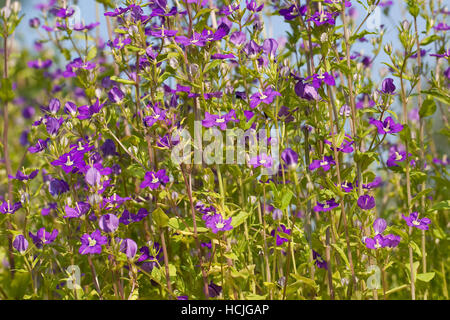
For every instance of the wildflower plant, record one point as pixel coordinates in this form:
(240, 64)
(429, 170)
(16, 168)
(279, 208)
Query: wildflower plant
(188, 154)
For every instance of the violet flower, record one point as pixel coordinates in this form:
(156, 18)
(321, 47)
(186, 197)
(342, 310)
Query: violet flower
(320, 263)
(6, 207)
(92, 244)
(81, 208)
(261, 160)
(212, 120)
(386, 126)
(217, 223)
(290, 157)
(43, 237)
(366, 202)
(413, 221)
(266, 97)
(129, 247)
(24, 177)
(69, 163)
(154, 180)
(327, 206)
(325, 163)
(109, 223)
(20, 243)
(283, 231)
(387, 86)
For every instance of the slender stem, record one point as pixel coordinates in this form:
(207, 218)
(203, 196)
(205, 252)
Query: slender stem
(7, 158)
(166, 262)
(408, 180)
(94, 277)
(187, 182)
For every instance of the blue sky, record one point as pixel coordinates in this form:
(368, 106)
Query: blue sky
(276, 28)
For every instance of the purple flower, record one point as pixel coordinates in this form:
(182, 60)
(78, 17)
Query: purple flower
(154, 180)
(442, 26)
(20, 243)
(24, 177)
(261, 160)
(386, 126)
(116, 95)
(237, 38)
(39, 64)
(306, 91)
(413, 221)
(214, 290)
(376, 242)
(92, 244)
(346, 146)
(347, 186)
(212, 120)
(69, 163)
(366, 202)
(327, 206)
(283, 231)
(320, 263)
(321, 17)
(325, 163)
(197, 40)
(266, 97)
(129, 247)
(127, 217)
(374, 184)
(108, 223)
(58, 187)
(217, 223)
(43, 237)
(86, 112)
(158, 115)
(253, 6)
(93, 177)
(290, 157)
(391, 240)
(293, 12)
(108, 148)
(318, 79)
(395, 157)
(388, 86)
(80, 209)
(379, 225)
(6, 207)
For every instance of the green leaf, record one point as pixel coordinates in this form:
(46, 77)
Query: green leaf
(341, 253)
(92, 53)
(160, 217)
(425, 277)
(286, 199)
(124, 81)
(239, 219)
(428, 108)
(429, 40)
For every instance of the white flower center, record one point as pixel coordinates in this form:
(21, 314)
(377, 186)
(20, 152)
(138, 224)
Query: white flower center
(92, 242)
(155, 180)
(377, 245)
(398, 156)
(416, 223)
(324, 163)
(69, 162)
(220, 225)
(262, 161)
(220, 120)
